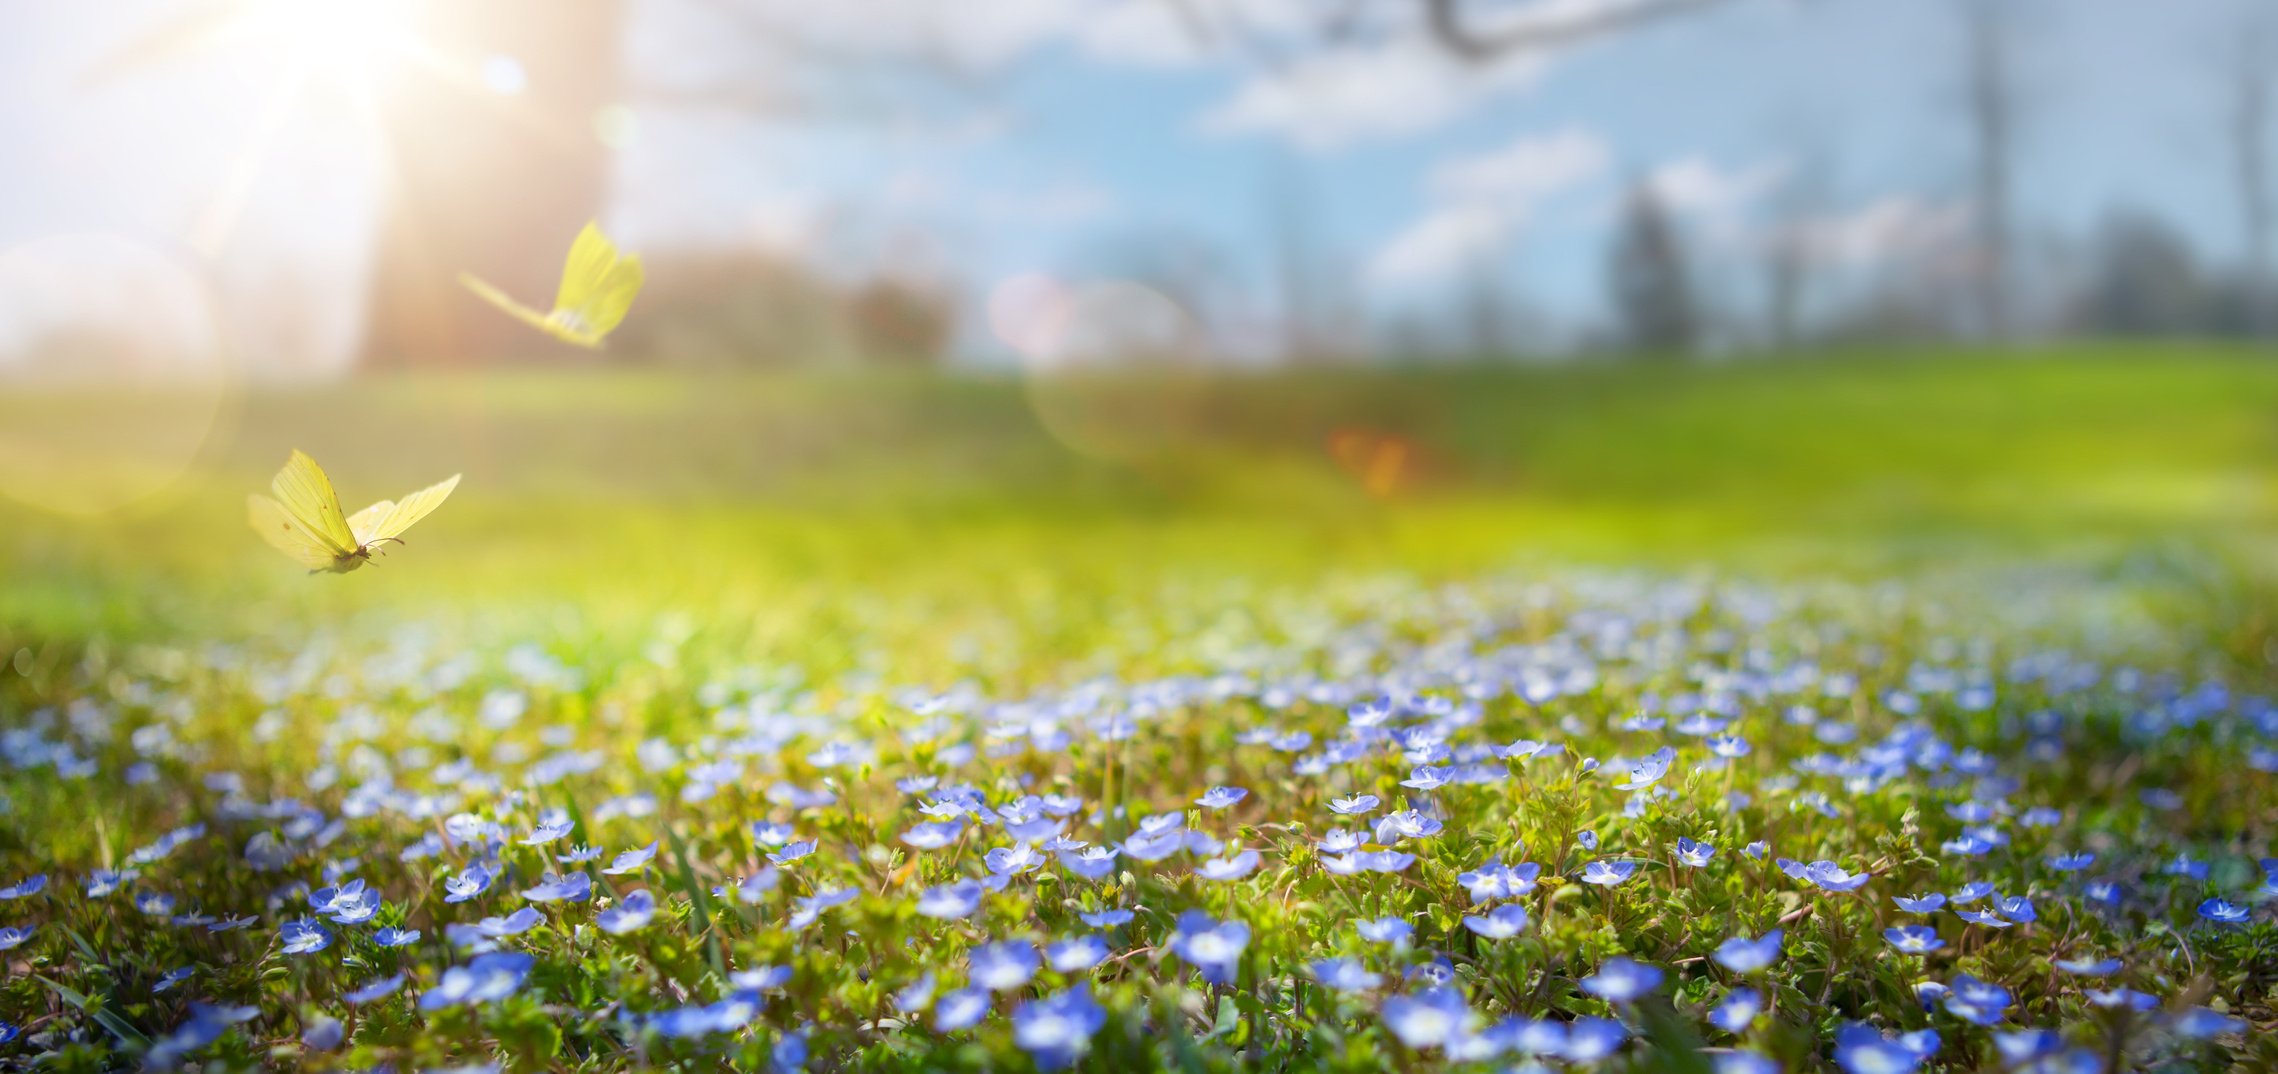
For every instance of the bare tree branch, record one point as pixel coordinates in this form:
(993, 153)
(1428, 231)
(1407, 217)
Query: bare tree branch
(1450, 22)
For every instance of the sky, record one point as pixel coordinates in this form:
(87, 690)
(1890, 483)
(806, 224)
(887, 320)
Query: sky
(991, 140)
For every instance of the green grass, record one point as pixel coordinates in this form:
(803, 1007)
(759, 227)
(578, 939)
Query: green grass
(712, 562)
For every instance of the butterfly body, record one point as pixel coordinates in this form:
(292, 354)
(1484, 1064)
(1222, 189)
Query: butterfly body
(304, 521)
(598, 287)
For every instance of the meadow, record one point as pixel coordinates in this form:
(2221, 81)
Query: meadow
(1891, 712)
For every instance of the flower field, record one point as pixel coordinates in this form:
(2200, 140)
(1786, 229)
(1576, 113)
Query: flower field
(913, 808)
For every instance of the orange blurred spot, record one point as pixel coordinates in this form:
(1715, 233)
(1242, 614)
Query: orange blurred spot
(1383, 463)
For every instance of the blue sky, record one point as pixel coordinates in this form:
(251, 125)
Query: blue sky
(1081, 132)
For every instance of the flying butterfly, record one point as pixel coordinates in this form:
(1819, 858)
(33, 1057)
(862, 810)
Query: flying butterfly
(304, 520)
(598, 286)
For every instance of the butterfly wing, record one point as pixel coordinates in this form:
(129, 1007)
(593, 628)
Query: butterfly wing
(366, 522)
(587, 269)
(613, 298)
(402, 513)
(277, 526)
(309, 502)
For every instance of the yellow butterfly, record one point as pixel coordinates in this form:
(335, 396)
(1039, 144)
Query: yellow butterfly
(598, 287)
(304, 519)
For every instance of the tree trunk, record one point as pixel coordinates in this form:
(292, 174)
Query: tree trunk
(487, 176)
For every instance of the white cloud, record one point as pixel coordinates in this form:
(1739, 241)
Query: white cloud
(1399, 85)
(1718, 199)
(1480, 202)
(1894, 226)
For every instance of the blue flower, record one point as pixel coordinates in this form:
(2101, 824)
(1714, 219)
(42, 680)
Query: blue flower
(1649, 771)
(1744, 1062)
(916, 996)
(377, 990)
(791, 852)
(1090, 863)
(1621, 980)
(303, 936)
(24, 888)
(1391, 930)
(1501, 923)
(1429, 1018)
(1057, 1031)
(2224, 912)
(1221, 797)
(1608, 873)
(1920, 904)
(1214, 949)
(2087, 967)
(1354, 806)
(1832, 877)
(2199, 1023)
(960, 1009)
(104, 882)
(1106, 919)
(631, 914)
(1694, 854)
(1345, 975)
(548, 832)
(576, 887)
(1234, 868)
(631, 861)
(486, 979)
(1591, 1039)
(1860, 1049)
(950, 901)
(1021, 858)
(1738, 1010)
(396, 937)
(166, 981)
(467, 883)
(2121, 999)
(1976, 1001)
(1743, 955)
(1987, 918)
(1003, 966)
(323, 1034)
(1075, 955)
(2072, 862)
(1972, 892)
(154, 903)
(1914, 939)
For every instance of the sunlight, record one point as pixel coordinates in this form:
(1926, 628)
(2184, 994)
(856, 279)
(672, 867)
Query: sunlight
(345, 40)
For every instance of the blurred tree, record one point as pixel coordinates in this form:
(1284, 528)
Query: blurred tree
(2145, 281)
(1990, 107)
(1649, 286)
(900, 323)
(2250, 152)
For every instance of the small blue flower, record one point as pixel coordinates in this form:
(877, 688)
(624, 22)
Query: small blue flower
(1221, 797)
(1694, 854)
(1354, 806)
(1345, 975)
(1057, 1031)
(1391, 930)
(377, 990)
(1920, 904)
(1649, 771)
(2127, 999)
(2224, 912)
(396, 937)
(1075, 955)
(467, 883)
(791, 852)
(1743, 955)
(576, 887)
(24, 888)
(1832, 877)
(1738, 1010)
(631, 914)
(1106, 919)
(303, 936)
(1860, 1049)
(1021, 858)
(1090, 863)
(1591, 1039)
(1608, 873)
(1501, 923)
(1972, 892)
(1003, 966)
(548, 832)
(1621, 980)
(951, 901)
(2071, 863)
(2199, 1023)
(578, 855)
(1428, 1019)
(1234, 868)
(1914, 939)
(104, 882)
(166, 981)
(2088, 967)
(960, 1009)
(488, 978)
(1987, 918)
(323, 1034)
(631, 861)
(154, 903)
(1214, 949)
